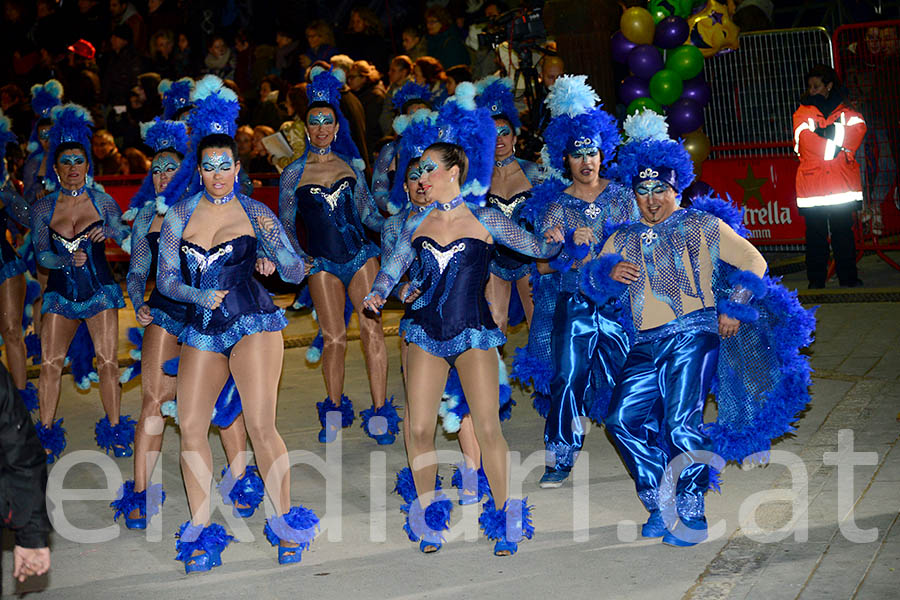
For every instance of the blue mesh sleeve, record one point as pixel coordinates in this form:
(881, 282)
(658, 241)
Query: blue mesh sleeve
(287, 201)
(168, 275)
(507, 233)
(275, 242)
(141, 256)
(109, 210)
(365, 205)
(16, 207)
(381, 180)
(401, 257)
(41, 214)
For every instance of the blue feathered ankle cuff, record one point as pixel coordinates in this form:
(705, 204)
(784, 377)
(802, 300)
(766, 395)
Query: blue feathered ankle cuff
(327, 406)
(118, 438)
(382, 423)
(29, 396)
(244, 494)
(431, 523)
(405, 486)
(512, 523)
(52, 438)
(299, 526)
(209, 540)
(472, 484)
(148, 502)
(596, 283)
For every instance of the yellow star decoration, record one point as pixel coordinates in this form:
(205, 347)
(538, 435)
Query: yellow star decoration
(752, 185)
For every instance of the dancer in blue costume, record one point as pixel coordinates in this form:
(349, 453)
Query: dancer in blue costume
(587, 349)
(408, 99)
(690, 279)
(324, 193)
(163, 321)
(451, 323)
(511, 186)
(70, 227)
(209, 247)
(44, 97)
(12, 272)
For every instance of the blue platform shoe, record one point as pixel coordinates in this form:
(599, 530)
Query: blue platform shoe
(244, 494)
(508, 525)
(148, 502)
(298, 526)
(329, 434)
(209, 541)
(118, 438)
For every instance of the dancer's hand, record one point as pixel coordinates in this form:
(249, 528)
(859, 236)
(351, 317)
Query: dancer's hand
(584, 235)
(373, 302)
(79, 257)
(30, 561)
(728, 326)
(96, 234)
(144, 316)
(215, 298)
(554, 235)
(409, 295)
(625, 272)
(264, 266)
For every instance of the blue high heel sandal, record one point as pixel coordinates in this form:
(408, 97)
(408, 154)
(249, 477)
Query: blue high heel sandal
(147, 502)
(494, 523)
(209, 541)
(244, 494)
(382, 423)
(463, 478)
(299, 525)
(328, 434)
(434, 520)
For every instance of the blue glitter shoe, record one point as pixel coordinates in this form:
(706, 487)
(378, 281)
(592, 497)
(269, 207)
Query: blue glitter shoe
(209, 541)
(508, 525)
(147, 502)
(244, 494)
(654, 527)
(299, 526)
(695, 533)
(553, 478)
(329, 434)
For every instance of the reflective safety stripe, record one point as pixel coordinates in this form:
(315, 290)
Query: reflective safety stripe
(829, 199)
(805, 126)
(855, 121)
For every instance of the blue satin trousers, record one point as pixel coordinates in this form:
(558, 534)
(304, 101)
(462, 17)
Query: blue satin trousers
(588, 351)
(656, 413)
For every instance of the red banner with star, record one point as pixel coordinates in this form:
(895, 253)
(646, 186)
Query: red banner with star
(765, 188)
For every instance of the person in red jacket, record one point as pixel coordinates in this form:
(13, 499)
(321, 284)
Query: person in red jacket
(827, 133)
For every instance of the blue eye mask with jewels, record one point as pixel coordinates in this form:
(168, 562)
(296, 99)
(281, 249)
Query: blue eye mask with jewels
(216, 162)
(164, 164)
(71, 158)
(581, 153)
(503, 130)
(427, 166)
(414, 174)
(321, 119)
(651, 187)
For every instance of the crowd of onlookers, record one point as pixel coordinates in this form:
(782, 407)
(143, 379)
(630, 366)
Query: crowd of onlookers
(110, 56)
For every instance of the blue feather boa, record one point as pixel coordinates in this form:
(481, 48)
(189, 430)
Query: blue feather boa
(512, 523)
(596, 283)
(744, 313)
(749, 280)
(724, 210)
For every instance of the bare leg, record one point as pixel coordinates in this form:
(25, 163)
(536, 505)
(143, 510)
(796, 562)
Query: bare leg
(234, 440)
(56, 335)
(42, 275)
(256, 363)
(427, 378)
(104, 330)
(479, 377)
(370, 332)
(468, 443)
(497, 293)
(327, 294)
(201, 377)
(404, 365)
(12, 300)
(523, 286)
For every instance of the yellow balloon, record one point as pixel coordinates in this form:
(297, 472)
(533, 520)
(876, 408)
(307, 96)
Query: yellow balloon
(697, 145)
(712, 29)
(637, 25)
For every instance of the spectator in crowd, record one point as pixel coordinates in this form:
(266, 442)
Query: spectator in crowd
(162, 54)
(364, 39)
(243, 137)
(260, 163)
(23, 473)
(413, 43)
(107, 158)
(82, 77)
(342, 62)
(136, 161)
(443, 41)
(91, 22)
(287, 56)
(120, 68)
(320, 38)
(184, 56)
(398, 74)
(457, 75)
(122, 12)
(294, 129)
(16, 106)
(484, 57)
(220, 60)
(16, 49)
(365, 81)
(551, 68)
(143, 105)
(429, 71)
(267, 111)
(50, 32)
(163, 15)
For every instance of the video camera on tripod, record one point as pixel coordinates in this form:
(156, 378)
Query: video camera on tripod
(519, 27)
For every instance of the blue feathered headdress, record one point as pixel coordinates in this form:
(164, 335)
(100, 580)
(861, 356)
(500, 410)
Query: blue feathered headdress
(417, 132)
(461, 122)
(495, 94)
(216, 109)
(160, 135)
(6, 137)
(410, 93)
(326, 87)
(578, 120)
(43, 98)
(175, 95)
(648, 145)
(71, 123)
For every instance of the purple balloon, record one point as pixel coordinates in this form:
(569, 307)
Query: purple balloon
(644, 61)
(621, 47)
(684, 116)
(633, 87)
(697, 90)
(671, 32)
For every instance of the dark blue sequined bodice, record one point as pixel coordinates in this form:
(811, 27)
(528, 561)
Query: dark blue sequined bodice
(79, 284)
(505, 258)
(333, 228)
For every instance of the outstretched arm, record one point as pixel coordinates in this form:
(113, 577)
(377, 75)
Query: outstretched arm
(109, 210)
(276, 246)
(507, 233)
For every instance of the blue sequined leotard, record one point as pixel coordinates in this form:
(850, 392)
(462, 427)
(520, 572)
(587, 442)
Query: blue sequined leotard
(452, 314)
(190, 273)
(333, 219)
(14, 207)
(509, 265)
(78, 292)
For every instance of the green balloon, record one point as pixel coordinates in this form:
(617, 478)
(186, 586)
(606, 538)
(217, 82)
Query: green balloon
(685, 60)
(660, 9)
(666, 86)
(638, 104)
(658, 13)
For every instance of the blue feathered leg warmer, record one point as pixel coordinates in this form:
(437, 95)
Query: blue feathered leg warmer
(244, 494)
(382, 423)
(118, 438)
(328, 434)
(52, 438)
(299, 526)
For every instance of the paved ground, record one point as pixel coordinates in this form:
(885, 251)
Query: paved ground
(585, 544)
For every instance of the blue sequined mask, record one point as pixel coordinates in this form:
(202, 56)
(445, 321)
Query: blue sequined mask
(503, 130)
(71, 158)
(321, 119)
(164, 164)
(651, 186)
(582, 153)
(216, 162)
(427, 166)
(414, 174)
